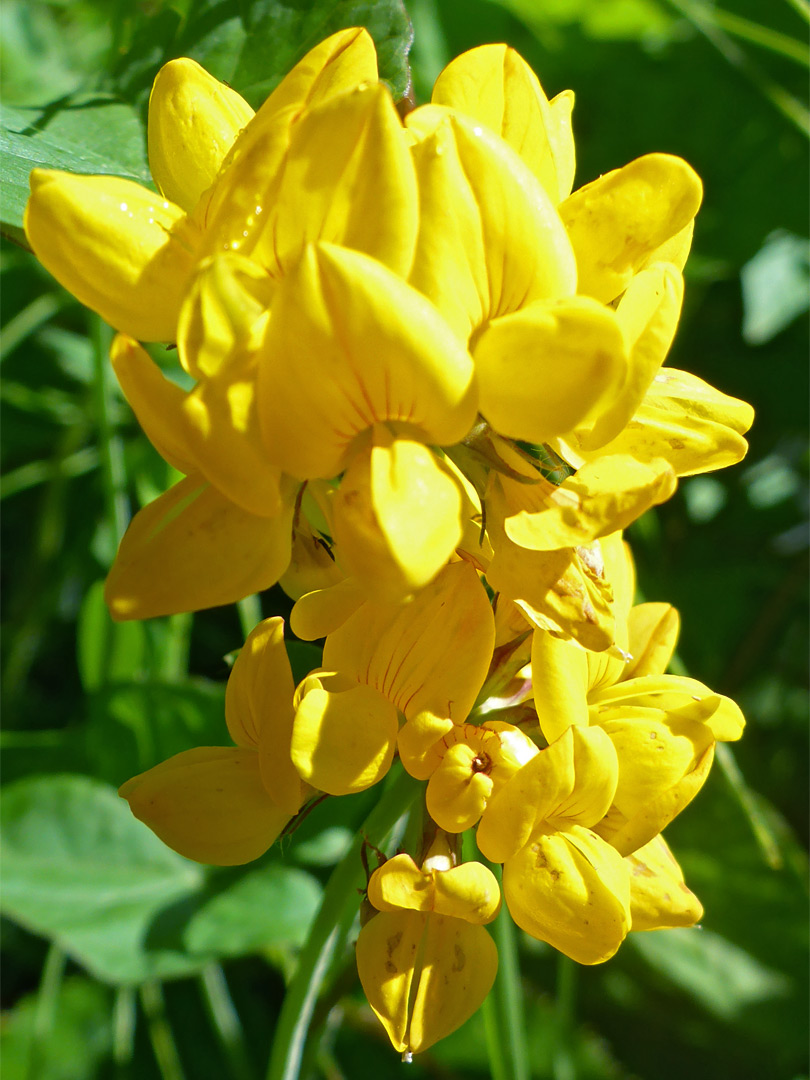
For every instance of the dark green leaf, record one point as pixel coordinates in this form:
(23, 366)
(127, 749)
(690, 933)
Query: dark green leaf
(82, 136)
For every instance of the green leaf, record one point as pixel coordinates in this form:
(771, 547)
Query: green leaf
(133, 726)
(724, 978)
(78, 868)
(775, 287)
(271, 906)
(251, 46)
(99, 135)
(78, 1039)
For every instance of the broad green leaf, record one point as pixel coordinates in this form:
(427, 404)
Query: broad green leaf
(252, 45)
(133, 726)
(271, 906)
(78, 1039)
(79, 869)
(99, 135)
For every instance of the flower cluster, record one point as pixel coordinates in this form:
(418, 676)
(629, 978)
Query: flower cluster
(427, 395)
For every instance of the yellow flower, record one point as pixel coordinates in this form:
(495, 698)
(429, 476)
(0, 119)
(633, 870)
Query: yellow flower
(226, 805)
(425, 961)
(473, 764)
(659, 897)
(562, 882)
(423, 662)
(663, 727)
(130, 254)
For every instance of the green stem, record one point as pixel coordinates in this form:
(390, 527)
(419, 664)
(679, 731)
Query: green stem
(50, 986)
(250, 613)
(801, 7)
(331, 928)
(111, 448)
(504, 1017)
(226, 1021)
(772, 40)
(124, 1020)
(563, 1064)
(701, 17)
(160, 1032)
(763, 833)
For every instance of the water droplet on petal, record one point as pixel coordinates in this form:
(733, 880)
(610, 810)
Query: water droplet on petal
(124, 207)
(477, 130)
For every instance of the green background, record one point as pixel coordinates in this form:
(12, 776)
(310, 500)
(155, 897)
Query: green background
(121, 959)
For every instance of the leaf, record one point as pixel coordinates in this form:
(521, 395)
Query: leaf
(724, 978)
(78, 868)
(253, 47)
(99, 135)
(134, 725)
(775, 287)
(273, 905)
(79, 1038)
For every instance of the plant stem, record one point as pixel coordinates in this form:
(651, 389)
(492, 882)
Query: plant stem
(160, 1032)
(226, 1021)
(504, 1017)
(331, 928)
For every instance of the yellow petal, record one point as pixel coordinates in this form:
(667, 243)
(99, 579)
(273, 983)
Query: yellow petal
(615, 222)
(343, 740)
(550, 367)
(653, 635)
(191, 549)
(209, 804)
(156, 401)
(469, 891)
(560, 684)
(565, 589)
(223, 430)
(221, 314)
(629, 834)
(572, 781)
(648, 315)
(658, 894)
(572, 890)
(119, 248)
(460, 964)
(561, 137)
(348, 179)
(655, 755)
(457, 792)
(193, 122)
(320, 613)
(259, 710)
(604, 496)
(428, 657)
(490, 240)
(350, 345)
(495, 86)
(397, 517)
(399, 885)
(386, 956)
(312, 568)
(248, 183)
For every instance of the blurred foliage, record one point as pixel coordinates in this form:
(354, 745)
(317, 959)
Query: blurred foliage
(112, 944)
